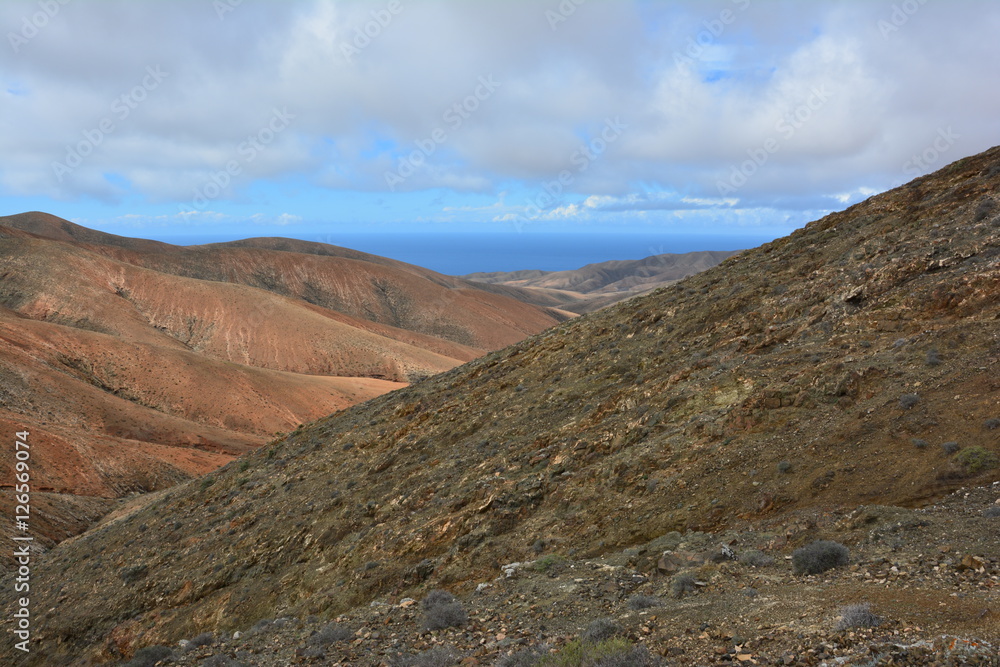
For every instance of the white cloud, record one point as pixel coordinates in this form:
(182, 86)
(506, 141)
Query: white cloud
(689, 125)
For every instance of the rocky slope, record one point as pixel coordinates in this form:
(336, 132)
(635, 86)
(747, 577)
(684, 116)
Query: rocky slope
(137, 364)
(852, 363)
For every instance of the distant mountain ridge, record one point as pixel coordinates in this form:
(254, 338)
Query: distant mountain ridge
(599, 285)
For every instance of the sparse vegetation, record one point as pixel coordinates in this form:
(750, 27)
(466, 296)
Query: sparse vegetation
(991, 424)
(640, 602)
(907, 401)
(683, 583)
(820, 556)
(204, 639)
(976, 459)
(548, 562)
(443, 610)
(949, 447)
(933, 357)
(438, 656)
(992, 512)
(756, 558)
(331, 634)
(785, 467)
(616, 652)
(601, 630)
(919, 443)
(528, 657)
(858, 616)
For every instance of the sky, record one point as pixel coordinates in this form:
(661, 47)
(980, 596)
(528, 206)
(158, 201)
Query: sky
(315, 118)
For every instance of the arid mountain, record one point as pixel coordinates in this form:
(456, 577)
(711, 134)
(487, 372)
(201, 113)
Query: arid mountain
(596, 286)
(137, 364)
(776, 392)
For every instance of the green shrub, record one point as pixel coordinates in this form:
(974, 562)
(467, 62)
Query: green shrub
(546, 563)
(616, 652)
(976, 459)
(819, 556)
(756, 558)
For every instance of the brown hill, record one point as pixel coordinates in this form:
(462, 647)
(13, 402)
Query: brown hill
(779, 390)
(139, 364)
(596, 286)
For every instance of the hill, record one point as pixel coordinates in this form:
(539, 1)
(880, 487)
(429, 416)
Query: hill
(596, 286)
(781, 396)
(138, 364)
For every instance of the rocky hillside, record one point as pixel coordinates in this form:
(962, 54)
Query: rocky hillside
(137, 364)
(852, 363)
(596, 286)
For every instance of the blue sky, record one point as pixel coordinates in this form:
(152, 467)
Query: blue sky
(227, 118)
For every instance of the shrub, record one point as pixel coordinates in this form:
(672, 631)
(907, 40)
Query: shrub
(784, 467)
(611, 653)
(919, 444)
(819, 556)
(992, 512)
(149, 656)
(681, 584)
(976, 459)
(949, 447)
(435, 657)
(991, 424)
(756, 559)
(857, 616)
(546, 563)
(442, 610)
(204, 639)
(601, 630)
(907, 401)
(933, 357)
(330, 634)
(640, 602)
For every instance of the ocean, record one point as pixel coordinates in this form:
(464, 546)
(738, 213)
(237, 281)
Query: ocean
(459, 254)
